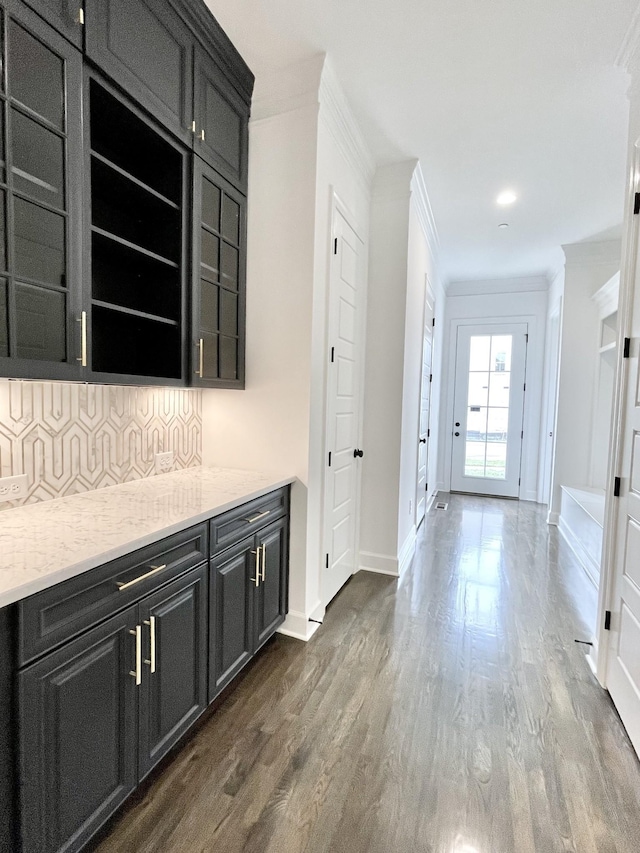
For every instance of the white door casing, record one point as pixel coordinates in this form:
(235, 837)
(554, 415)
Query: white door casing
(489, 408)
(619, 653)
(344, 401)
(425, 406)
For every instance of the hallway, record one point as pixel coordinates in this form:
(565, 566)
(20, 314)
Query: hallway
(454, 715)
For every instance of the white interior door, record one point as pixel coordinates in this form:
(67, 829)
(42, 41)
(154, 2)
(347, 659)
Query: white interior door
(489, 409)
(425, 408)
(623, 663)
(344, 387)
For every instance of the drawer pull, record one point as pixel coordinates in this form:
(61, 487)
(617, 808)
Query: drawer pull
(258, 516)
(137, 673)
(154, 569)
(264, 561)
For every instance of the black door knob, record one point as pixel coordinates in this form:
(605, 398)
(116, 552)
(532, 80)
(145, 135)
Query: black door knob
(456, 433)
(423, 441)
(357, 453)
(457, 423)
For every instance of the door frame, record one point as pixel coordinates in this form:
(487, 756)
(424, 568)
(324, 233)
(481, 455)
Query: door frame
(428, 500)
(338, 207)
(599, 652)
(531, 441)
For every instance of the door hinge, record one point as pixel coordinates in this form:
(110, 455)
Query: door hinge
(428, 433)
(431, 377)
(519, 480)
(433, 321)
(426, 487)
(333, 349)
(329, 459)
(526, 338)
(627, 348)
(636, 204)
(81, 16)
(335, 246)
(522, 434)
(524, 387)
(607, 620)
(616, 487)
(326, 562)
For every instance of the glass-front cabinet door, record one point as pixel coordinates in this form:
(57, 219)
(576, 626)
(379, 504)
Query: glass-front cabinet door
(219, 281)
(40, 179)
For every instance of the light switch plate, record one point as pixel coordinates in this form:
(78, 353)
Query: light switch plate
(164, 462)
(12, 488)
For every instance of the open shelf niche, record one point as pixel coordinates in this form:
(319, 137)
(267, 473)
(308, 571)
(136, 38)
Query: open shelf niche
(136, 243)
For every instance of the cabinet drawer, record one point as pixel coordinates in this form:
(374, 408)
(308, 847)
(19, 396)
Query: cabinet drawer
(232, 526)
(55, 615)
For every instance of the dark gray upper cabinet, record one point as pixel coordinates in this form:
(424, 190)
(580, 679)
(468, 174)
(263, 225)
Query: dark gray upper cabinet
(218, 289)
(174, 693)
(40, 201)
(65, 15)
(146, 47)
(78, 736)
(221, 122)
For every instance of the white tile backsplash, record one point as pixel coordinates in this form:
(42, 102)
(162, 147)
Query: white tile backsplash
(70, 438)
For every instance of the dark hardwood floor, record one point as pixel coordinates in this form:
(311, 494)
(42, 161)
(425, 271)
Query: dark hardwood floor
(450, 713)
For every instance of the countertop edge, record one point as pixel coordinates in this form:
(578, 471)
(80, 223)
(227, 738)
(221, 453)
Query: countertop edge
(18, 593)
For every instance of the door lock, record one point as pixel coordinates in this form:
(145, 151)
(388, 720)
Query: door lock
(357, 453)
(423, 441)
(456, 433)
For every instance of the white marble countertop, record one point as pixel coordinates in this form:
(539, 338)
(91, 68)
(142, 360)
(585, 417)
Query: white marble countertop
(45, 543)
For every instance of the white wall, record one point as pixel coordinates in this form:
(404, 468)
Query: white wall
(550, 386)
(519, 300)
(298, 155)
(402, 255)
(588, 266)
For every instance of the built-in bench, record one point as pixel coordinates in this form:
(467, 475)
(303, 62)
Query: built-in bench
(581, 523)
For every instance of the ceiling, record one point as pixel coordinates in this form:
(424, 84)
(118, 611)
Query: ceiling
(489, 95)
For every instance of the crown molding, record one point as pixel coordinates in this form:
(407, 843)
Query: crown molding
(393, 181)
(287, 89)
(607, 297)
(485, 287)
(594, 253)
(336, 111)
(420, 198)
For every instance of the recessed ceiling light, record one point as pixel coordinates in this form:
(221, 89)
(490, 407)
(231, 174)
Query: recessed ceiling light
(507, 197)
(503, 225)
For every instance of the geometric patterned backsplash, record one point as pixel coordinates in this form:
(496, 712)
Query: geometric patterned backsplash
(70, 438)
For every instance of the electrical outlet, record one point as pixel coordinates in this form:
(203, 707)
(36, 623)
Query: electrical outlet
(164, 462)
(12, 488)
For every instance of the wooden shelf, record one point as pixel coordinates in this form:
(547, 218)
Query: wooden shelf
(133, 246)
(131, 312)
(123, 173)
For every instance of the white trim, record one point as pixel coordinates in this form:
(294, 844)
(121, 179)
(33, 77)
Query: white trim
(483, 287)
(591, 662)
(606, 298)
(590, 566)
(598, 252)
(287, 89)
(407, 551)
(381, 564)
(338, 116)
(424, 212)
(553, 518)
(297, 625)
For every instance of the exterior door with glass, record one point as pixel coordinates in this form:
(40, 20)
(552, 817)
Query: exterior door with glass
(488, 409)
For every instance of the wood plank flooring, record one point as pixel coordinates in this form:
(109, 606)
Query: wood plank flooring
(450, 713)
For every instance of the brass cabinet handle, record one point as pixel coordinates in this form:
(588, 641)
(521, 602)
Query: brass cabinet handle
(256, 580)
(83, 339)
(257, 517)
(264, 560)
(137, 672)
(151, 622)
(200, 371)
(154, 569)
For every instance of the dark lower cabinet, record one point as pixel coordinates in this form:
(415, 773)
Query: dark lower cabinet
(174, 691)
(248, 601)
(100, 712)
(270, 596)
(78, 731)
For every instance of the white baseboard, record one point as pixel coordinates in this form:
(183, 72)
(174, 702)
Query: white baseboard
(316, 614)
(297, 625)
(407, 551)
(429, 502)
(379, 563)
(553, 518)
(592, 657)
